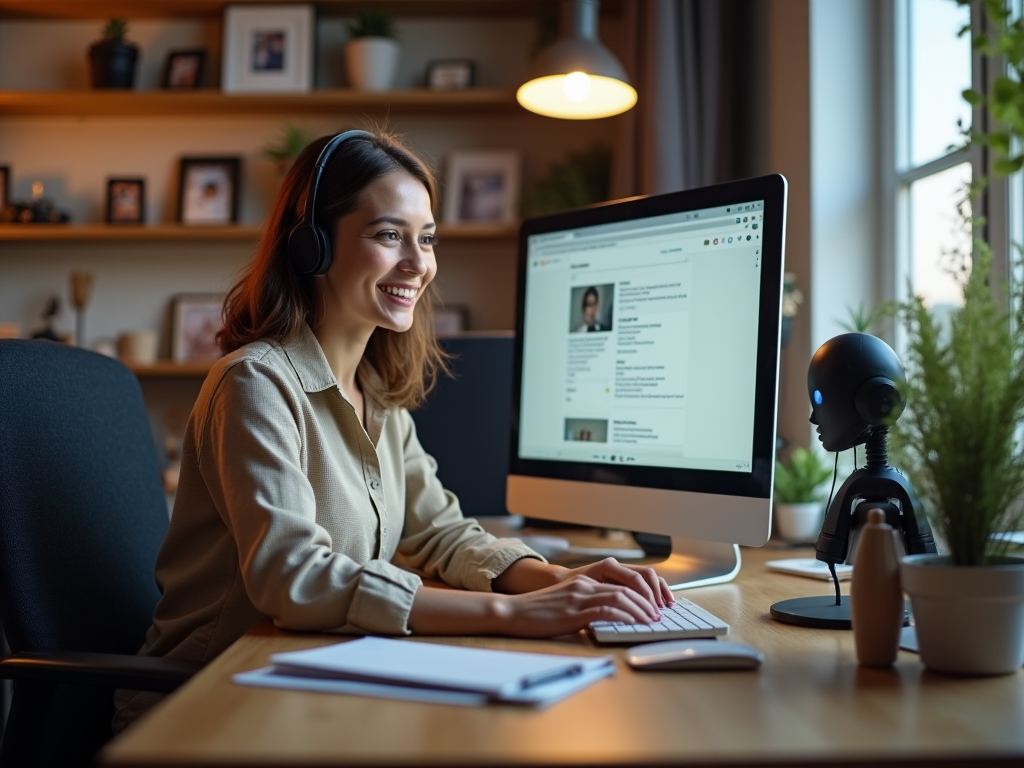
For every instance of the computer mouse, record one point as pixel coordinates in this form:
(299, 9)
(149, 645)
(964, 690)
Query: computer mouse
(693, 655)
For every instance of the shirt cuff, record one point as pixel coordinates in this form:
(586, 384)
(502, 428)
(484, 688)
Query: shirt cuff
(506, 552)
(384, 599)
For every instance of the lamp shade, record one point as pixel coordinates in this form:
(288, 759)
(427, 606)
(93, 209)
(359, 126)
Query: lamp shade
(577, 78)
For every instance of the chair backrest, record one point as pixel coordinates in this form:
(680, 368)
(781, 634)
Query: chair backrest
(465, 423)
(82, 511)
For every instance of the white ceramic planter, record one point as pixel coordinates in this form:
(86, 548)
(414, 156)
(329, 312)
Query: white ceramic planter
(372, 63)
(799, 523)
(970, 620)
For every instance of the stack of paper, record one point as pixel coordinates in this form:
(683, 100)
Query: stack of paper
(445, 674)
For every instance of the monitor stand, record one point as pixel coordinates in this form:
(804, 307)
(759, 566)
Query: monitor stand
(697, 563)
(683, 563)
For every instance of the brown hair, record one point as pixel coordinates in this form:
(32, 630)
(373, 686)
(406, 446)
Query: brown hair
(272, 300)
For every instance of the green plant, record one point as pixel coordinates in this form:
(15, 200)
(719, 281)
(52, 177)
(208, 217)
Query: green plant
(291, 142)
(959, 439)
(799, 480)
(372, 22)
(860, 320)
(581, 179)
(115, 29)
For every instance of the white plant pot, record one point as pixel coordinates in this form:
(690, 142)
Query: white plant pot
(799, 523)
(372, 63)
(970, 620)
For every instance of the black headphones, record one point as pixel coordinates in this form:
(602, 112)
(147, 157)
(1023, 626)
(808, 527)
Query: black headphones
(309, 245)
(878, 401)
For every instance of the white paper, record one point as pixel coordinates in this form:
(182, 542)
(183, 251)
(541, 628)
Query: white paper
(808, 566)
(497, 674)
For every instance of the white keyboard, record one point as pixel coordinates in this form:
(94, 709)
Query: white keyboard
(679, 621)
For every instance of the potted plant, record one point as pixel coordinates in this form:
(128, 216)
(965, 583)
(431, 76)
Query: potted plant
(292, 141)
(798, 499)
(959, 437)
(371, 55)
(112, 59)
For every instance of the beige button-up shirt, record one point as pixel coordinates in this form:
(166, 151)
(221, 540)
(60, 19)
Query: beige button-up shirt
(288, 508)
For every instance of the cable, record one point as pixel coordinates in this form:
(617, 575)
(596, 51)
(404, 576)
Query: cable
(832, 566)
(835, 580)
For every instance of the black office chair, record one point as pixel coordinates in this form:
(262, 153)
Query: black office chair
(82, 515)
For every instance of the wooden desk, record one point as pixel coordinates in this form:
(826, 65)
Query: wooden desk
(809, 704)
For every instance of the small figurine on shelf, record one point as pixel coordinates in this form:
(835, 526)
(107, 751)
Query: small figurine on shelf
(37, 211)
(47, 332)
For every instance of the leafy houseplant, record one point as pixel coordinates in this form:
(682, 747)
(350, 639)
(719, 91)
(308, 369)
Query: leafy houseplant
(371, 55)
(798, 502)
(959, 438)
(292, 141)
(112, 59)
(581, 179)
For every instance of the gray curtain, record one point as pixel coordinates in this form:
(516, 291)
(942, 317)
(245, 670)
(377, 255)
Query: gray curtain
(698, 69)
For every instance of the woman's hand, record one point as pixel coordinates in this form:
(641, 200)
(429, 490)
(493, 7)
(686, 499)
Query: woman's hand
(571, 605)
(639, 578)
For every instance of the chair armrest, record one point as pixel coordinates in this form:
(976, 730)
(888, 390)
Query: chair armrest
(110, 670)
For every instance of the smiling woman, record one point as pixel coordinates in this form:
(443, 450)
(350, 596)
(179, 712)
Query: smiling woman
(304, 495)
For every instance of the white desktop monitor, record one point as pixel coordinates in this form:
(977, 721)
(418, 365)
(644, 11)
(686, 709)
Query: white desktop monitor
(646, 370)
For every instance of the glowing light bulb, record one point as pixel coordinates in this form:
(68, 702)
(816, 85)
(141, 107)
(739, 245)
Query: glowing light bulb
(576, 86)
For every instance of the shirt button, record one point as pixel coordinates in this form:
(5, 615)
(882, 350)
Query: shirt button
(375, 484)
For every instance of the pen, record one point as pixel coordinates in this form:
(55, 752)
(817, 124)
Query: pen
(546, 677)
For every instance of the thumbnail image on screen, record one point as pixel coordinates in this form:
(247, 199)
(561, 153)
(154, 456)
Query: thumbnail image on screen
(591, 308)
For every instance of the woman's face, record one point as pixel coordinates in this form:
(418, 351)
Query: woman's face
(383, 256)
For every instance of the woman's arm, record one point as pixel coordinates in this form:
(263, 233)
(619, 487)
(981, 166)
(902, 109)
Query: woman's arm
(547, 600)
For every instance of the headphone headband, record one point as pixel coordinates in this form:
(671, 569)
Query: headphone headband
(309, 245)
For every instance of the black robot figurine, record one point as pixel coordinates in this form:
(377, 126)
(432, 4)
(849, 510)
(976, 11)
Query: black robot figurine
(855, 383)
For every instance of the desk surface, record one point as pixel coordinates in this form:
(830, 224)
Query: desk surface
(809, 703)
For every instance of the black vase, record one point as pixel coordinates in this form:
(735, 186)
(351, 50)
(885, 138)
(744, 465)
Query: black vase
(112, 63)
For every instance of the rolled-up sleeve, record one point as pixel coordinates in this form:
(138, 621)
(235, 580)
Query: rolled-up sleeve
(437, 540)
(253, 458)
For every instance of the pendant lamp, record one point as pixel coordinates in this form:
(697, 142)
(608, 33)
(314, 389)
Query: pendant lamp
(577, 78)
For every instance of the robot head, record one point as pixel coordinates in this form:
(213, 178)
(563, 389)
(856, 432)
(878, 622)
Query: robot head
(854, 382)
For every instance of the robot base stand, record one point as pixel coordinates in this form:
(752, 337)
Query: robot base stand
(819, 612)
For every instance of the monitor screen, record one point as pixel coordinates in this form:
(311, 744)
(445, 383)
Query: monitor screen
(624, 327)
(646, 370)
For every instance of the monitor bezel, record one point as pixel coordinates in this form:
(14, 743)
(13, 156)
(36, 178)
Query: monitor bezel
(757, 483)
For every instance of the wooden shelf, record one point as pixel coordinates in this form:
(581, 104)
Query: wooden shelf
(170, 368)
(78, 233)
(213, 9)
(206, 101)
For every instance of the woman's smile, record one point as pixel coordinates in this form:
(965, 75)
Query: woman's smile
(404, 296)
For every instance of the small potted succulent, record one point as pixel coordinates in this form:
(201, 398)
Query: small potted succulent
(112, 59)
(371, 54)
(799, 507)
(289, 146)
(959, 439)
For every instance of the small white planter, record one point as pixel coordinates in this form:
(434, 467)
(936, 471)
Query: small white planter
(970, 620)
(372, 63)
(799, 523)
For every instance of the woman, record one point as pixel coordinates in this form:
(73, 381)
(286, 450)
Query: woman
(303, 488)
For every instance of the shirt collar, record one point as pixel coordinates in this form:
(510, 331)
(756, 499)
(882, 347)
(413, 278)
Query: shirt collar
(309, 361)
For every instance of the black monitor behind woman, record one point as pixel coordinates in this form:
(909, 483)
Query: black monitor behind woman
(305, 496)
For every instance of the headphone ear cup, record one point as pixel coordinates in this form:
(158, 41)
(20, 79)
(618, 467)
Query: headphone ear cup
(878, 401)
(309, 248)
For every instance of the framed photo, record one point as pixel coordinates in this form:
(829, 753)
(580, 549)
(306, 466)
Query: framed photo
(208, 190)
(126, 201)
(5, 186)
(451, 74)
(481, 187)
(184, 69)
(195, 321)
(268, 48)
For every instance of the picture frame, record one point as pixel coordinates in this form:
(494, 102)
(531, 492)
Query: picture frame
(451, 74)
(268, 48)
(208, 190)
(195, 321)
(126, 201)
(482, 186)
(5, 186)
(184, 69)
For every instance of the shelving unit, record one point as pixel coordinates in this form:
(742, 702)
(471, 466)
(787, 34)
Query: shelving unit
(87, 103)
(71, 233)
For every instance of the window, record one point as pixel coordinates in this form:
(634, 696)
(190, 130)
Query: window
(933, 65)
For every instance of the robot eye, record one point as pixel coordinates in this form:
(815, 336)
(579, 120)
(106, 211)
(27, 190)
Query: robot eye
(817, 397)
